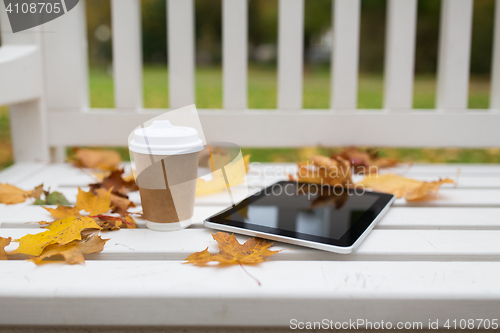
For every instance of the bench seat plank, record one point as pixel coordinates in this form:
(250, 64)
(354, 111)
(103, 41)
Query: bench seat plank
(25, 215)
(382, 244)
(447, 197)
(169, 293)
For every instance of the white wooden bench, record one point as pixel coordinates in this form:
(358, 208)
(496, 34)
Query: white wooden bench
(435, 260)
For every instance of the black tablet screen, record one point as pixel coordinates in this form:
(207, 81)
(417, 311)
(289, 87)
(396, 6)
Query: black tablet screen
(318, 213)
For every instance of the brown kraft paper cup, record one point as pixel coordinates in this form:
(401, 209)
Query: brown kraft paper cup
(167, 185)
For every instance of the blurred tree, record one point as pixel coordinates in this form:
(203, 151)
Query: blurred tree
(154, 31)
(263, 29)
(372, 36)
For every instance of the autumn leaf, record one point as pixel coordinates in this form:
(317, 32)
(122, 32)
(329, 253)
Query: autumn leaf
(410, 189)
(3, 243)
(60, 232)
(118, 204)
(363, 161)
(116, 181)
(107, 222)
(73, 252)
(97, 159)
(52, 198)
(37, 192)
(87, 201)
(325, 171)
(10, 194)
(231, 252)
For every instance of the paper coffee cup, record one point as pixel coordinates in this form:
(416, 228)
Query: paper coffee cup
(166, 167)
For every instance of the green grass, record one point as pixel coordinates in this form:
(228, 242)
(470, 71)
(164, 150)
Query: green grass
(262, 90)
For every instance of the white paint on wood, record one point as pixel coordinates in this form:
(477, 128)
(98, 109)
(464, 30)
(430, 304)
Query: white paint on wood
(454, 55)
(290, 53)
(380, 245)
(495, 70)
(167, 293)
(20, 171)
(20, 73)
(441, 218)
(245, 128)
(127, 53)
(181, 48)
(400, 54)
(235, 53)
(345, 55)
(28, 125)
(65, 60)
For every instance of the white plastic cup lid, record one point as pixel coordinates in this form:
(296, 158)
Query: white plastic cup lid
(163, 138)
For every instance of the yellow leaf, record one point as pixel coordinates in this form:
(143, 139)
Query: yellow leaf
(410, 189)
(60, 232)
(235, 173)
(62, 212)
(89, 202)
(231, 252)
(93, 204)
(73, 252)
(119, 204)
(3, 243)
(9, 194)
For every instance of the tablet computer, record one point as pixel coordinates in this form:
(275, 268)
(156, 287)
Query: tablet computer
(328, 218)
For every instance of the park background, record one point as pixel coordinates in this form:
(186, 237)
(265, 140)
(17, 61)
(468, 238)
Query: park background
(262, 73)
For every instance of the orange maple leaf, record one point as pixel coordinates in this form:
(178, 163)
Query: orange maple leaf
(87, 201)
(3, 243)
(410, 189)
(231, 252)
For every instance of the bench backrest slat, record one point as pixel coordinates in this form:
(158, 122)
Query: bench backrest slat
(127, 53)
(399, 66)
(290, 53)
(180, 22)
(345, 55)
(454, 55)
(234, 54)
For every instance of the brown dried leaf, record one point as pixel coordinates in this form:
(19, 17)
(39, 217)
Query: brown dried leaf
(325, 171)
(3, 243)
(410, 189)
(119, 185)
(231, 252)
(98, 159)
(364, 161)
(114, 223)
(73, 252)
(37, 192)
